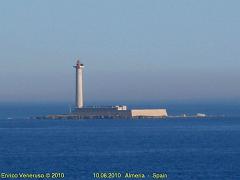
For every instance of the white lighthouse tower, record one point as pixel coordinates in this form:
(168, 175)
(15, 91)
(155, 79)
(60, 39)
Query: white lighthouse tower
(79, 84)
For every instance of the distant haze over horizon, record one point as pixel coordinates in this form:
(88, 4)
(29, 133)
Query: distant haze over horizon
(133, 51)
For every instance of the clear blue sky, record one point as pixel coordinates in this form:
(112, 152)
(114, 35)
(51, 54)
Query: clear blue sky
(133, 50)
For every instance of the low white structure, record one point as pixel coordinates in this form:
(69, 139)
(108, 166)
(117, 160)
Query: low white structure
(201, 115)
(121, 108)
(149, 113)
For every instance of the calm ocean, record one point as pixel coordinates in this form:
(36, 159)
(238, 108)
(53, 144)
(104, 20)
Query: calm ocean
(184, 149)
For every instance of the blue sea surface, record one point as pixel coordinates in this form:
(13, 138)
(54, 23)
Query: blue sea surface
(184, 149)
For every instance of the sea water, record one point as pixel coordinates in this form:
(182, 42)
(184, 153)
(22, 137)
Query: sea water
(186, 149)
